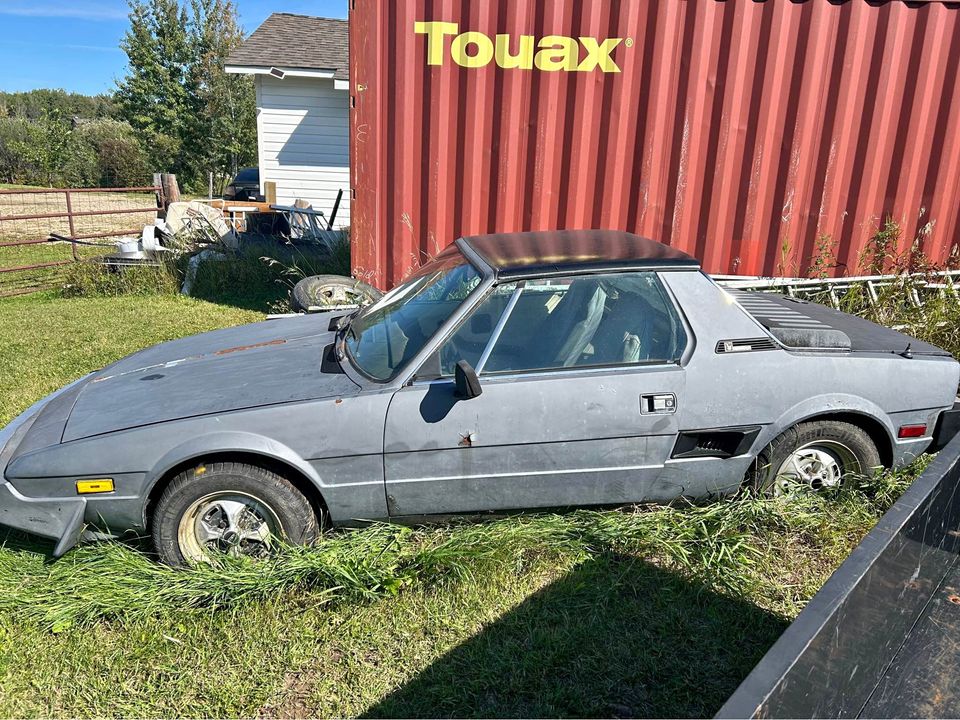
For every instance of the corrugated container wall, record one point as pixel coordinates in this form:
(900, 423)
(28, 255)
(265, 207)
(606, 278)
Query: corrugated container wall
(754, 135)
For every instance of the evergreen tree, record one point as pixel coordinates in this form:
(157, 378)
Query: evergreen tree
(192, 116)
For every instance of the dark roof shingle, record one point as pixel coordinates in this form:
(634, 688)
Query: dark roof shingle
(297, 41)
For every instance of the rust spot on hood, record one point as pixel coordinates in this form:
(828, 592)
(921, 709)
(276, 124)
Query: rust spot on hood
(241, 348)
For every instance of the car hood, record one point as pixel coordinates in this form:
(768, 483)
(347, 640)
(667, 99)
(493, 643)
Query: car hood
(277, 361)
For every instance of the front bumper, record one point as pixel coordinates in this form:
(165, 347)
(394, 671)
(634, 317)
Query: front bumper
(60, 519)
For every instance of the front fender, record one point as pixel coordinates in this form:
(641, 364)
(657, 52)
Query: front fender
(228, 442)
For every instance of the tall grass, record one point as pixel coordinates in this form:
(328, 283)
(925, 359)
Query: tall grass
(92, 279)
(261, 275)
(729, 545)
(936, 320)
(257, 277)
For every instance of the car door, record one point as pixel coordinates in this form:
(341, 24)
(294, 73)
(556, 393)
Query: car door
(581, 392)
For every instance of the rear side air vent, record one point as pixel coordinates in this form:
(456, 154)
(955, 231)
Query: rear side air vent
(746, 345)
(715, 442)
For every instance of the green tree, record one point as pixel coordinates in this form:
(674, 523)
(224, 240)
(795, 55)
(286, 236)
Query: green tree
(225, 104)
(33, 103)
(154, 97)
(52, 153)
(192, 116)
(120, 158)
(13, 131)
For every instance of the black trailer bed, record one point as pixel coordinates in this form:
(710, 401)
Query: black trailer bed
(882, 637)
(921, 681)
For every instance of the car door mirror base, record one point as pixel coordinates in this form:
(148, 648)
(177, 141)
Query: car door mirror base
(468, 384)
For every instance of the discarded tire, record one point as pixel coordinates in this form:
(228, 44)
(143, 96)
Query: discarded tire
(322, 290)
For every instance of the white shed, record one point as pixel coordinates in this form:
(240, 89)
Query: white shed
(300, 68)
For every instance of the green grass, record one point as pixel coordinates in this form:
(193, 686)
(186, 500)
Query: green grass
(654, 611)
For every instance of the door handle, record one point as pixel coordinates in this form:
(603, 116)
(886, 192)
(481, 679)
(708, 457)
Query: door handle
(658, 404)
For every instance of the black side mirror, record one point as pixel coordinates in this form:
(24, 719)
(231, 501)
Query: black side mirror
(468, 384)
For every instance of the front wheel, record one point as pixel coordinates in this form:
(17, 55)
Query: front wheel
(232, 509)
(819, 455)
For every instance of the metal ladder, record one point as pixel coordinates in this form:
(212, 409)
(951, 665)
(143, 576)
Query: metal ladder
(917, 288)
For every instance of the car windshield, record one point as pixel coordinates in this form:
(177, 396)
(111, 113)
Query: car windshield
(387, 334)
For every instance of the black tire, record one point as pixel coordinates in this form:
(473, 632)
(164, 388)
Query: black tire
(852, 448)
(321, 290)
(298, 522)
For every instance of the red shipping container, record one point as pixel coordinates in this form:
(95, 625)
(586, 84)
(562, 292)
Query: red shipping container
(749, 134)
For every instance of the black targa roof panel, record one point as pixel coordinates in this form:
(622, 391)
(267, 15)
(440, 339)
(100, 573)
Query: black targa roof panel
(561, 251)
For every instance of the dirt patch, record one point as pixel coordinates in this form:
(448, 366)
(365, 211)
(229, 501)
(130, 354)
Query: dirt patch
(294, 697)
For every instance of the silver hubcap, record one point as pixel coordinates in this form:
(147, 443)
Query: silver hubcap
(819, 464)
(231, 523)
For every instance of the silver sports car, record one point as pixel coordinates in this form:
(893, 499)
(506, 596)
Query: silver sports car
(529, 370)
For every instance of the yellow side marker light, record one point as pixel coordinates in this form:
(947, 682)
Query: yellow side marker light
(100, 485)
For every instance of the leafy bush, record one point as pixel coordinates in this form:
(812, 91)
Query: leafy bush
(120, 158)
(50, 151)
(13, 167)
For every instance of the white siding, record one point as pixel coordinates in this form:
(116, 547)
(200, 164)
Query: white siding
(303, 141)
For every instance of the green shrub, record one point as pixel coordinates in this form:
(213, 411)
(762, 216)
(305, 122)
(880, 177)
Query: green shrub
(120, 159)
(261, 275)
(51, 152)
(13, 167)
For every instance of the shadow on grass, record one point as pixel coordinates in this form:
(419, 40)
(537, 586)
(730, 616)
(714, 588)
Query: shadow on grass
(616, 637)
(18, 541)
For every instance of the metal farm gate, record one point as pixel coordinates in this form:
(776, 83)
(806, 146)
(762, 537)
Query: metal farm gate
(30, 261)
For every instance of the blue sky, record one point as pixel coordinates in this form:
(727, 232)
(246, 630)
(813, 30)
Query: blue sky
(74, 44)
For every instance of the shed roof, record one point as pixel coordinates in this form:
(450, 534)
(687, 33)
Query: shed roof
(285, 40)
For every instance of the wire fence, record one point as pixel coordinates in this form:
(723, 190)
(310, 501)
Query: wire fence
(40, 230)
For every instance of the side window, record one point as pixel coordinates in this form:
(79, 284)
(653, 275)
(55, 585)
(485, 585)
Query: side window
(471, 338)
(590, 320)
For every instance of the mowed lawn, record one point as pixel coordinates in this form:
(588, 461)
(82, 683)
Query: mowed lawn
(590, 613)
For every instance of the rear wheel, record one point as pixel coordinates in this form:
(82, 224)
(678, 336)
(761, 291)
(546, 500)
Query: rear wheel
(819, 455)
(232, 509)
